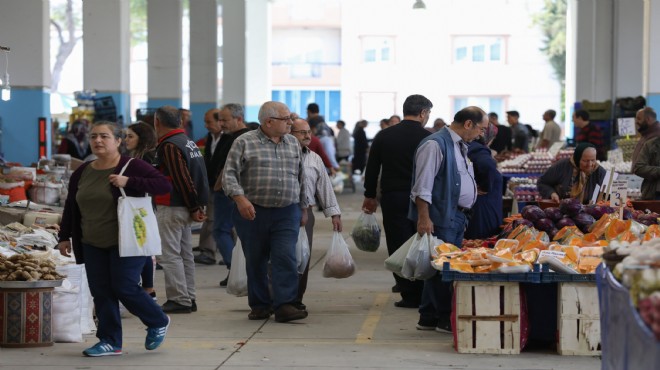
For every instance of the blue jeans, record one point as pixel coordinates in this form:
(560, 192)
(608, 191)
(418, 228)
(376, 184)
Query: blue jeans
(271, 236)
(112, 279)
(223, 207)
(437, 295)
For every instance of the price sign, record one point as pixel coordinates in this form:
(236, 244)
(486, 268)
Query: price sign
(556, 254)
(615, 156)
(626, 126)
(618, 193)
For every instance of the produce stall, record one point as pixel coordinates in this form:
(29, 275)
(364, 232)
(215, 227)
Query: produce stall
(562, 246)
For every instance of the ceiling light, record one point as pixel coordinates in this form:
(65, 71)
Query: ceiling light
(6, 89)
(419, 4)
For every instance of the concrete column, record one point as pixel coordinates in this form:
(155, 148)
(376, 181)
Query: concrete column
(25, 28)
(592, 50)
(203, 61)
(629, 47)
(651, 54)
(246, 52)
(164, 22)
(106, 51)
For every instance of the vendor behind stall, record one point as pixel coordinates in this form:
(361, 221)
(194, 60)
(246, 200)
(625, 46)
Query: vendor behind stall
(574, 177)
(487, 210)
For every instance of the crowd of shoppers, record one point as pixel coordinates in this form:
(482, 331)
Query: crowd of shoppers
(263, 185)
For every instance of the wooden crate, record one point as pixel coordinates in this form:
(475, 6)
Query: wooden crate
(578, 319)
(487, 317)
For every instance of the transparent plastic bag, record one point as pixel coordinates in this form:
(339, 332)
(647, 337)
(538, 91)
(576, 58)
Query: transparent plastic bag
(237, 281)
(417, 265)
(338, 261)
(302, 250)
(396, 261)
(366, 233)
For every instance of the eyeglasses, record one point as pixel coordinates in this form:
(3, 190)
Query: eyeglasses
(283, 118)
(481, 128)
(302, 132)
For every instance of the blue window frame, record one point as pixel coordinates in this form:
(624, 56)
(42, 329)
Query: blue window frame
(329, 101)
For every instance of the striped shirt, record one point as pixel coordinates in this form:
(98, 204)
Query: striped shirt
(592, 134)
(317, 182)
(269, 174)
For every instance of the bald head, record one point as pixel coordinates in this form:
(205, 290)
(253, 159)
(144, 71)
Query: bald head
(212, 121)
(469, 123)
(302, 132)
(275, 119)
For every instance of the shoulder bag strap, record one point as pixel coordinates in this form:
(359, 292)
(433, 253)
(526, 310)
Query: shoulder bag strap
(121, 189)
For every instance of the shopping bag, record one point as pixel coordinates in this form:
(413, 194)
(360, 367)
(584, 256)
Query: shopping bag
(338, 261)
(395, 262)
(138, 227)
(417, 265)
(302, 250)
(366, 233)
(237, 282)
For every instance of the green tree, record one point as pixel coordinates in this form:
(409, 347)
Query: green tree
(67, 23)
(552, 22)
(138, 22)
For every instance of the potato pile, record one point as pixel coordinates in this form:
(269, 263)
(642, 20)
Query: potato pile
(25, 267)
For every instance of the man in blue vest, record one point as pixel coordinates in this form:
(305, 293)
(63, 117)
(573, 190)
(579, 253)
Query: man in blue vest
(181, 161)
(443, 192)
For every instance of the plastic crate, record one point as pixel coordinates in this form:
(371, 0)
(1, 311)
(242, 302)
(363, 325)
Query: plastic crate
(449, 275)
(627, 343)
(548, 276)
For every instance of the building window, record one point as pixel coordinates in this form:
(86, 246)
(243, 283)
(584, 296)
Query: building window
(479, 49)
(329, 102)
(377, 49)
(487, 103)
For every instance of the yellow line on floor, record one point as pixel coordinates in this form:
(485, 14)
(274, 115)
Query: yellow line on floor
(373, 317)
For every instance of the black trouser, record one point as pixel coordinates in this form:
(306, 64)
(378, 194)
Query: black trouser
(398, 229)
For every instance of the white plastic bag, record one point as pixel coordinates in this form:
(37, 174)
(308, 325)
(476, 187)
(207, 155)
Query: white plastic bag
(237, 281)
(72, 310)
(396, 261)
(417, 265)
(66, 313)
(338, 261)
(302, 250)
(77, 275)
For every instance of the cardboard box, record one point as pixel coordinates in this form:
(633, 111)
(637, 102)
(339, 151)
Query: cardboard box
(41, 218)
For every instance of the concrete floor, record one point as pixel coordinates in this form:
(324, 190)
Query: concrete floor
(352, 323)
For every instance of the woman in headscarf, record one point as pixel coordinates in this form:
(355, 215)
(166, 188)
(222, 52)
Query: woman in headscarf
(487, 210)
(574, 177)
(76, 142)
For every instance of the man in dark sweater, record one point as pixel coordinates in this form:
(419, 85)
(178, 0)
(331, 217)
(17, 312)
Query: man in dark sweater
(503, 141)
(392, 154)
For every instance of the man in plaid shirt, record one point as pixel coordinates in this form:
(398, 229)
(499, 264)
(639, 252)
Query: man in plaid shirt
(264, 176)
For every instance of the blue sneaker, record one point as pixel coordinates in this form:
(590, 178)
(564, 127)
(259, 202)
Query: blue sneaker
(102, 349)
(156, 336)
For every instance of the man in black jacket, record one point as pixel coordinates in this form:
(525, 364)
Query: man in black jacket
(502, 140)
(207, 245)
(392, 154)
